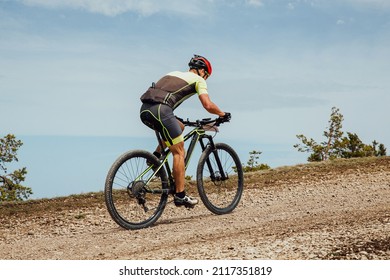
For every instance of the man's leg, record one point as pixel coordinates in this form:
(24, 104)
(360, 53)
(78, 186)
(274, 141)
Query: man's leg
(159, 149)
(178, 165)
(180, 198)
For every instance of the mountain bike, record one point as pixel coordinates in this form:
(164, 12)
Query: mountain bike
(138, 183)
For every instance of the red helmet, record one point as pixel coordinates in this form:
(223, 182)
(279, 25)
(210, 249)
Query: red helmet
(200, 62)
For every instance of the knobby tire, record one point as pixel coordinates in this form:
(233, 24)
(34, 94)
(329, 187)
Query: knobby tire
(218, 195)
(124, 189)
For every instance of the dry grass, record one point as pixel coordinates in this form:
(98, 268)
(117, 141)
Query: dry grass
(264, 178)
(36, 206)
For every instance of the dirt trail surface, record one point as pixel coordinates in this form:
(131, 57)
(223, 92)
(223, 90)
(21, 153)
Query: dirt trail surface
(331, 210)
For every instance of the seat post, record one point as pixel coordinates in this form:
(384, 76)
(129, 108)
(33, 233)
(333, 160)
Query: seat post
(160, 142)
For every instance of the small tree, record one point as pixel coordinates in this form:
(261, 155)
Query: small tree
(331, 147)
(10, 184)
(337, 146)
(381, 150)
(253, 164)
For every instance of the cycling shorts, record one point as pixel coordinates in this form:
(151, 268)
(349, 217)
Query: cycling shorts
(160, 117)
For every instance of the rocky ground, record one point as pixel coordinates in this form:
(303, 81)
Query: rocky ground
(332, 210)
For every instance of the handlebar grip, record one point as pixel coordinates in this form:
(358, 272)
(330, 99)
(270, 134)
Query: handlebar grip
(226, 118)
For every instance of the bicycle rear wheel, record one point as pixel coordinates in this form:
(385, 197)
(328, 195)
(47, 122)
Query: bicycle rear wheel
(220, 179)
(133, 198)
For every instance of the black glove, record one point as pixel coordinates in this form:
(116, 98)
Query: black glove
(227, 117)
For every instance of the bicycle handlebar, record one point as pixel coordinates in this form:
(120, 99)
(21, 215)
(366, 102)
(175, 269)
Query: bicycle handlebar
(202, 122)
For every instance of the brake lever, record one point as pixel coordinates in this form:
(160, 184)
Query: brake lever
(218, 121)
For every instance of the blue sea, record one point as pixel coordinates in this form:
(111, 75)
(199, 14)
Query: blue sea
(64, 165)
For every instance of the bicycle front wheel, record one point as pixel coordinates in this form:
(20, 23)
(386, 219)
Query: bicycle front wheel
(135, 196)
(220, 179)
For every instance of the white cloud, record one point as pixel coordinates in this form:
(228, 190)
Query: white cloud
(340, 22)
(255, 3)
(290, 6)
(372, 3)
(116, 7)
(383, 5)
(187, 8)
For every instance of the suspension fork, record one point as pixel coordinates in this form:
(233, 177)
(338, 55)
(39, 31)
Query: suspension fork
(223, 176)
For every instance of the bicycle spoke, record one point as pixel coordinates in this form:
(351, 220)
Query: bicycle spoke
(133, 198)
(220, 179)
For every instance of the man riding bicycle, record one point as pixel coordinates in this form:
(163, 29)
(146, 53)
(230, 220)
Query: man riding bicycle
(158, 104)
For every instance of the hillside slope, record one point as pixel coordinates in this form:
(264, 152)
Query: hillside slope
(332, 210)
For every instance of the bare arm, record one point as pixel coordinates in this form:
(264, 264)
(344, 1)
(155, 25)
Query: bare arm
(210, 107)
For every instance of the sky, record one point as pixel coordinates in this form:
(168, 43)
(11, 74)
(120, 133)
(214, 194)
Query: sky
(72, 72)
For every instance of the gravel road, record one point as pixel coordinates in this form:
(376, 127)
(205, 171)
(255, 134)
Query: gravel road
(337, 210)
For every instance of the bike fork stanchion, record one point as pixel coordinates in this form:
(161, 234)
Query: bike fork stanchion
(209, 166)
(219, 164)
(214, 151)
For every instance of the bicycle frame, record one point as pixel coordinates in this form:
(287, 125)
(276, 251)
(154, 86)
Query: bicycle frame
(197, 134)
